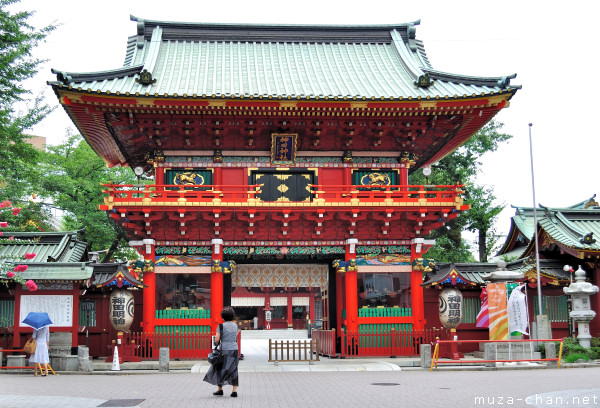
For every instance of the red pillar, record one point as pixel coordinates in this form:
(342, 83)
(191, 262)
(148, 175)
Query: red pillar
(159, 176)
(403, 176)
(418, 305)
(351, 288)
(311, 307)
(75, 326)
(290, 316)
(149, 293)
(216, 286)
(17, 321)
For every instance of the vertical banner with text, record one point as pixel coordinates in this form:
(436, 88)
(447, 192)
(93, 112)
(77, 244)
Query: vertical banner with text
(497, 311)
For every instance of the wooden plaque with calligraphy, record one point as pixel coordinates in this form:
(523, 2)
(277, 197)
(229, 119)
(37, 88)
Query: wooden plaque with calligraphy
(283, 148)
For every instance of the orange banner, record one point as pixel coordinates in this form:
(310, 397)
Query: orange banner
(497, 311)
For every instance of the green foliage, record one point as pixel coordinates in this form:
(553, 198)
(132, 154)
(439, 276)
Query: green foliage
(462, 166)
(573, 358)
(572, 351)
(72, 177)
(18, 158)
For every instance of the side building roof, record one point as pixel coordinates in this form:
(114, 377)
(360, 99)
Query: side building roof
(59, 256)
(522, 226)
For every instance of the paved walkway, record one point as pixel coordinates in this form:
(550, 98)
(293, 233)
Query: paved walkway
(412, 388)
(256, 352)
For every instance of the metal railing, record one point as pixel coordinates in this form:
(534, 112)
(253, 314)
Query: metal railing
(436, 352)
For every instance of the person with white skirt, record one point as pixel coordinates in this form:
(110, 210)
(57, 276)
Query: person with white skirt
(42, 338)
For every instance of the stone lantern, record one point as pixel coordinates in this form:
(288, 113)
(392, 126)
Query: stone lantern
(582, 313)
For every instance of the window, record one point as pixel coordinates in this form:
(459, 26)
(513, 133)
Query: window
(7, 312)
(87, 313)
(183, 291)
(384, 289)
(554, 306)
(470, 309)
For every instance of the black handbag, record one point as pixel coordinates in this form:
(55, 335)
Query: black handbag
(215, 357)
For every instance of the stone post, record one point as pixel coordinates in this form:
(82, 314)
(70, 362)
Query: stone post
(426, 356)
(490, 352)
(551, 353)
(163, 360)
(83, 360)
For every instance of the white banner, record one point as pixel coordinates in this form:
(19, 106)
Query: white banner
(517, 311)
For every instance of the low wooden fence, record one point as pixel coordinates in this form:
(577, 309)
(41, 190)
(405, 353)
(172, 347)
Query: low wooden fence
(326, 341)
(391, 344)
(183, 346)
(293, 350)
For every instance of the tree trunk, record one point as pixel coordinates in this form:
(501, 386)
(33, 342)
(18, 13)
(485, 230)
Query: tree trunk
(482, 246)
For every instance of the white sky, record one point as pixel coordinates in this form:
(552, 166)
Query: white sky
(551, 45)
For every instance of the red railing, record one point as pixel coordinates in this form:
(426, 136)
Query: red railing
(189, 346)
(408, 193)
(326, 341)
(132, 193)
(183, 346)
(436, 353)
(11, 351)
(395, 343)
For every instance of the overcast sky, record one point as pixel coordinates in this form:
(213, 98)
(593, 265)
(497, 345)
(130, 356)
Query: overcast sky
(551, 45)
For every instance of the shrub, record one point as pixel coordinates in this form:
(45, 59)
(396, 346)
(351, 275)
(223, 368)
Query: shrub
(572, 358)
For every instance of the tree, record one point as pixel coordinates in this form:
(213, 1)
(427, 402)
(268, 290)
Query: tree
(73, 174)
(463, 165)
(17, 157)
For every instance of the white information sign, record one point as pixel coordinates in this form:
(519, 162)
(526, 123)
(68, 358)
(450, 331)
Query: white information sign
(58, 307)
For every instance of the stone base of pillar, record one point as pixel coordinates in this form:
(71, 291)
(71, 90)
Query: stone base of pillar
(543, 330)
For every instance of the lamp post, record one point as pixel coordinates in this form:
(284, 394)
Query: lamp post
(542, 323)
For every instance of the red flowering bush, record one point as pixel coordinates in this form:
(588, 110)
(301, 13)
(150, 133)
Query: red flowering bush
(9, 268)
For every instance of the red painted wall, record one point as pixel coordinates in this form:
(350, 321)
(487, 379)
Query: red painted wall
(331, 177)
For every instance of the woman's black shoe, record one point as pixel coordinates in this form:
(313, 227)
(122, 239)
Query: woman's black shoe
(220, 392)
(234, 394)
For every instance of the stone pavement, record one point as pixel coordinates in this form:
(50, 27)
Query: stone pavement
(405, 388)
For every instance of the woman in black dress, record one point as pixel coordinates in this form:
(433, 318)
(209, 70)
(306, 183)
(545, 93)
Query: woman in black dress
(226, 373)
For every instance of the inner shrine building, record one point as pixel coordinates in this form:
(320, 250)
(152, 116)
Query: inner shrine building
(277, 159)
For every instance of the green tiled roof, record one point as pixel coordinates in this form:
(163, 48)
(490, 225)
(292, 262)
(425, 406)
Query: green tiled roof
(523, 223)
(58, 271)
(474, 272)
(570, 228)
(58, 255)
(245, 61)
(48, 246)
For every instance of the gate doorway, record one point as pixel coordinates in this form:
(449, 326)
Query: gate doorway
(280, 296)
